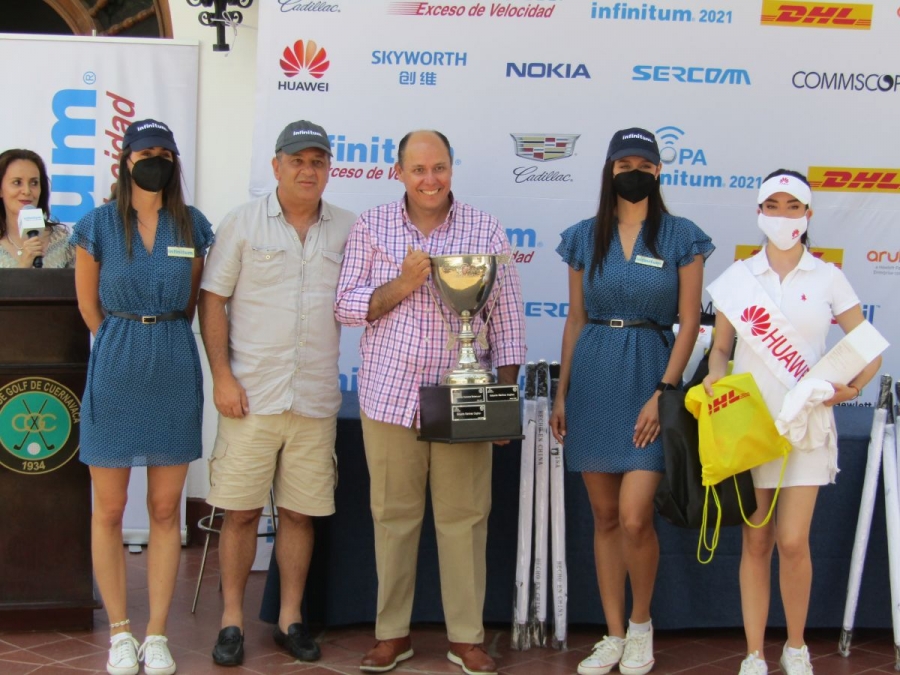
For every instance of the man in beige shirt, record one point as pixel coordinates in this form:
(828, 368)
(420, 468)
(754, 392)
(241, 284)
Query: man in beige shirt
(266, 316)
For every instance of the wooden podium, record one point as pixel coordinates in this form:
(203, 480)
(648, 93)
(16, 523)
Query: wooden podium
(46, 582)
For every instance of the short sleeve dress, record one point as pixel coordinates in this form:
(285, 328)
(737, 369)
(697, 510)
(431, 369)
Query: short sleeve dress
(616, 370)
(143, 400)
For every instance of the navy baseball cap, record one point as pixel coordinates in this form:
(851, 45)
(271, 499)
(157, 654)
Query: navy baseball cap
(145, 134)
(633, 142)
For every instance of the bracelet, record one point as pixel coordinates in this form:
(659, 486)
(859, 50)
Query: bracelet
(853, 386)
(119, 624)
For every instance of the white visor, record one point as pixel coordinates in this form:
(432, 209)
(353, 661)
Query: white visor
(793, 186)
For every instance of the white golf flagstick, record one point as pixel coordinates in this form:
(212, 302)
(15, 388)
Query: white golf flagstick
(892, 518)
(863, 523)
(541, 505)
(520, 637)
(559, 576)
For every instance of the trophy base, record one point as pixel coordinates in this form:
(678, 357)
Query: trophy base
(469, 413)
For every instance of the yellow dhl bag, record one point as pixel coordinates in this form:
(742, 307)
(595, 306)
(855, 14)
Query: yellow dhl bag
(736, 433)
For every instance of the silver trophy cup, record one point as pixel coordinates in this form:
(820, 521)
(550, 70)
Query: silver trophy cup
(464, 283)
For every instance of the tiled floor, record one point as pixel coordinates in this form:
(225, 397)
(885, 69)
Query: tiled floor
(191, 637)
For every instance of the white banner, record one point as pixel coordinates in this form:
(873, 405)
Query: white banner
(530, 91)
(78, 95)
(71, 104)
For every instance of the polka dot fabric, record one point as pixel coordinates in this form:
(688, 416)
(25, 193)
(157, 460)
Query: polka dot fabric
(143, 401)
(615, 370)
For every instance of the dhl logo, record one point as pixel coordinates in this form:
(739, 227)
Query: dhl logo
(816, 15)
(854, 179)
(831, 255)
(721, 402)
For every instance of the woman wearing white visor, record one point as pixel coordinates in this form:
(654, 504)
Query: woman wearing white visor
(800, 295)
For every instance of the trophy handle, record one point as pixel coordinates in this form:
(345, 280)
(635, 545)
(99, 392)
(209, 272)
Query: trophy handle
(503, 259)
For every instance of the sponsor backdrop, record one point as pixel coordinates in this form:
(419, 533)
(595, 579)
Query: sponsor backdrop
(530, 91)
(72, 105)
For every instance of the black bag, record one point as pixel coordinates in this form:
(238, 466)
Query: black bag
(681, 495)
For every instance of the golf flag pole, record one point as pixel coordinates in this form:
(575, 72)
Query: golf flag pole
(541, 505)
(520, 637)
(559, 577)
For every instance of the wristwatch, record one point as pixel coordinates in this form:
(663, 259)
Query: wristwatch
(665, 386)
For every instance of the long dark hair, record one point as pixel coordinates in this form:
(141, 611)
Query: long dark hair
(13, 155)
(606, 219)
(804, 239)
(173, 202)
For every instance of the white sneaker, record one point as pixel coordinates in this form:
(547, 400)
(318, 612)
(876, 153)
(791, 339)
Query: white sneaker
(607, 653)
(753, 665)
(638, 656)
(156, 656)
(123, 658)
(796, 664)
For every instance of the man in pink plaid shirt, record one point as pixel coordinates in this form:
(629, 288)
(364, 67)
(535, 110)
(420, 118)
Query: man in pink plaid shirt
(384, 287)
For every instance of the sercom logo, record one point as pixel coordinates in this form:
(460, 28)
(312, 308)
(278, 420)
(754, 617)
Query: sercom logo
(309, 57)
(758, 318)
(816, 15)
(854, 179)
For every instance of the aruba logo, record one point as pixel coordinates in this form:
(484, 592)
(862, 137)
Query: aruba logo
(298, 58)
(816, 15)
(758, 318)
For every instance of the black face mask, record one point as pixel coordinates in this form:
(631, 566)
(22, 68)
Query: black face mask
(634, 186)
(152, 174)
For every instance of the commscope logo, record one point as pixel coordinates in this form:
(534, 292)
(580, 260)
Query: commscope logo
(691, 74)
(854, 179)
(816, 15)
(810, 79)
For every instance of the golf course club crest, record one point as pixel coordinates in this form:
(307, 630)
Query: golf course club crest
(39, 422)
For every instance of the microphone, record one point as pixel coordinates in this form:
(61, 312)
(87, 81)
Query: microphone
(31, 221)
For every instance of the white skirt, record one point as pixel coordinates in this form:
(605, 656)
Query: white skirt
(803, 468)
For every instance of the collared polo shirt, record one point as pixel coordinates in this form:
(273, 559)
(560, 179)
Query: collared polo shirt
(283, 339)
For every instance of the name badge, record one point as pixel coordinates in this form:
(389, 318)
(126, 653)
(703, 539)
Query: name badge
(647, 260)
(181, 252)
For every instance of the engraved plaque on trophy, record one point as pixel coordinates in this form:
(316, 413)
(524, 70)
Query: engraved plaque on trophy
(468, 405)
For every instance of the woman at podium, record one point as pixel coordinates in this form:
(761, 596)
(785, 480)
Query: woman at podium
(24, 185)
(139, 261)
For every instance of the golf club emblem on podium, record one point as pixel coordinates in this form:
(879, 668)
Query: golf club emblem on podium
(468, 405)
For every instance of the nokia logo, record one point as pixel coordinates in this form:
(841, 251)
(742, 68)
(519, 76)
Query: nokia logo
(565, 71)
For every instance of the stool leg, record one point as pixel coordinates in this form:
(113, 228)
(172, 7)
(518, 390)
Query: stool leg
(272, 510)
(203, 562)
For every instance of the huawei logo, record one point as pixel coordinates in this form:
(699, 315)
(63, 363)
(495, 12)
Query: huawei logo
(307, 57)
(795, 234)
(758, 318)
(784, 180)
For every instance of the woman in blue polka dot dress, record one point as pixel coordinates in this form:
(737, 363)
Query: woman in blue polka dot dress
(634, 269)
(137, 274)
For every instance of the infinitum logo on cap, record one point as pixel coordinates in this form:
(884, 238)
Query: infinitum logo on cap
(854, 179)
(758, 318)
(303, 57)
(816, 15)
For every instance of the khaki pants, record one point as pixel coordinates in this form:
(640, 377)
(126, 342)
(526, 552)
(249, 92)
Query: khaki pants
(460, 476)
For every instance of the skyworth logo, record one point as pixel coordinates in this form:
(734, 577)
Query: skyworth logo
(543, 148)
(691, 75)
(816, 15)
(300, 57)
(853, 179)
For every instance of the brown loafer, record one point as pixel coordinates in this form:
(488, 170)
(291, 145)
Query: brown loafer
(473, 659)
(386, 654)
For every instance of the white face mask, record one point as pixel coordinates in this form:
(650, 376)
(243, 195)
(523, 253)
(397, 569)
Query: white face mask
(784, 233)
